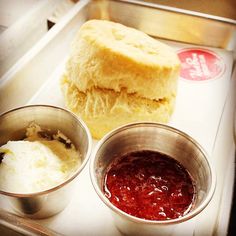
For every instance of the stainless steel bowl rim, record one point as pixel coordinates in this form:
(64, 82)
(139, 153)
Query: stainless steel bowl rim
(189, 215)
(23, 195)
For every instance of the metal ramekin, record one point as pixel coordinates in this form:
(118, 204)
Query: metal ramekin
(164, 139)
(13, 125)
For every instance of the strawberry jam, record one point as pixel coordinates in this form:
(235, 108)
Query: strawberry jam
(149, 185)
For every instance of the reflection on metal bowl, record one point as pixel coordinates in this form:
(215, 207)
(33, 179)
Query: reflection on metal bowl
(13, 125)
(164, 139)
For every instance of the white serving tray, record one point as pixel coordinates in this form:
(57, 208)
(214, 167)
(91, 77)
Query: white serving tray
(203, 110)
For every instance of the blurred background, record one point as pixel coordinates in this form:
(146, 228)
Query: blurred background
(24, 22)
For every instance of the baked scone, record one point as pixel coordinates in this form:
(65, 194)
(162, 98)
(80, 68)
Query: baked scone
(117, 75)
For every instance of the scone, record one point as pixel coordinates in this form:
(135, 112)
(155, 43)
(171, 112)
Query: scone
(117, 75)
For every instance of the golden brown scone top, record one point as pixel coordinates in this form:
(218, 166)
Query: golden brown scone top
(112, 56)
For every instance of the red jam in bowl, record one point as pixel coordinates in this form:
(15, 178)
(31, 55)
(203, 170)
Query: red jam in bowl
(149, 185)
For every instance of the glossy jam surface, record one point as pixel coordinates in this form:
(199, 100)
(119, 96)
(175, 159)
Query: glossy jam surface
(149, 185)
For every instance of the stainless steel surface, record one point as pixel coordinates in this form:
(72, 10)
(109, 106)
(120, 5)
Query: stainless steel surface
(220, 8)
(12, 127)
(11, 224)
(169, 22)
(15, 42)
(164, 139)
(41, 62)
(153, 19)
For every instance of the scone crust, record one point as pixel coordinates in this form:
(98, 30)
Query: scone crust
(112, 56)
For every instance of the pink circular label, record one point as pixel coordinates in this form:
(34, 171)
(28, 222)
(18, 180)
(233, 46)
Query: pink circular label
(200, 64)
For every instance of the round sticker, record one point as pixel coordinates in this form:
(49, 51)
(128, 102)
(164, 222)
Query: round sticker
(200, 64)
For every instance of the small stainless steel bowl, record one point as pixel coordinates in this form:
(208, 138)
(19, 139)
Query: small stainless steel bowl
(160, 138)
(13, 125)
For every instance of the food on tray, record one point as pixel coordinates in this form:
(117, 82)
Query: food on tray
(149, 185)
(39, 162)
(116, 75)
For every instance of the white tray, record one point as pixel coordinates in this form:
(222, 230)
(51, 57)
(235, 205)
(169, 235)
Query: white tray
(203, 110)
